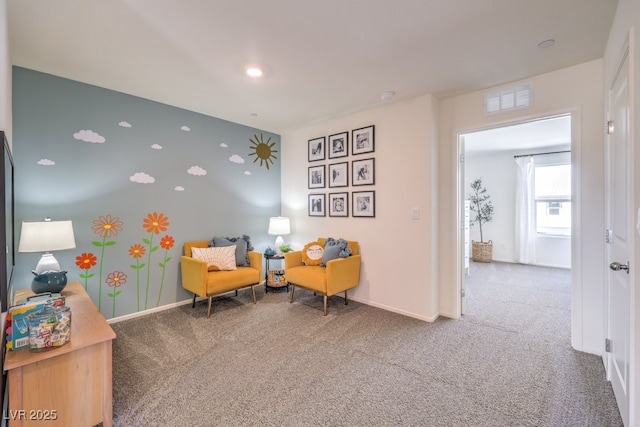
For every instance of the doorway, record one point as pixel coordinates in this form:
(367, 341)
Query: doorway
(491, 155)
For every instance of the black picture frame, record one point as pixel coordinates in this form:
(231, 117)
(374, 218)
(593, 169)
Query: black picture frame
(338, 175)
(363, 172)
(363, 204)
(338, 204)
(363, 140)
(338, 145)
(317, 176)
(316, 149)
(317, 205)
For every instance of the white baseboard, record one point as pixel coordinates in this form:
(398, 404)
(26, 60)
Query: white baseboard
(510, 261)
(190, 300)
(394, 310)
(149, 311)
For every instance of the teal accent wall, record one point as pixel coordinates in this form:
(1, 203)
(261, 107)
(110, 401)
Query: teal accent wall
(137, 178)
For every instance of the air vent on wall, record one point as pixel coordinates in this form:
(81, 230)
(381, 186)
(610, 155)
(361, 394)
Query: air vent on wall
(508, 99)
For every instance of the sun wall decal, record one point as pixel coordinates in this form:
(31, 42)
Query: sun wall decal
(262, 150)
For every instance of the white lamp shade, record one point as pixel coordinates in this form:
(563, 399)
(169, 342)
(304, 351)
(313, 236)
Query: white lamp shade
(46, 236)
(279, 225)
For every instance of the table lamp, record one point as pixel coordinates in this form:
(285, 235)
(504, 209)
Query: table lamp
(279, 225)
(46, 236)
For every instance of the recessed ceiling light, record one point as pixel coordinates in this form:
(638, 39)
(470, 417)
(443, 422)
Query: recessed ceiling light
(254, 72)
(546, 43)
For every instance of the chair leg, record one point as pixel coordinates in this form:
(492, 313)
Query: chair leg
(236, 292)
(325, 305)
(210, 304)
(346, 300)
(293, 289)
(253, 291)
(193, 304)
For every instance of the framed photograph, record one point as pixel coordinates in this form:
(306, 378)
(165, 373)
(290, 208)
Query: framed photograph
(316, 149)
(316, 177)
(316, 205)
(338, 145)
(364, 203)
(362, 140)
(339, 175)
(363, 172)
(338, 204)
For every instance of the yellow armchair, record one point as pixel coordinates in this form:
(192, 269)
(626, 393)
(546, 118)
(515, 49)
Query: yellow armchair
(206, 284)
(340, 274)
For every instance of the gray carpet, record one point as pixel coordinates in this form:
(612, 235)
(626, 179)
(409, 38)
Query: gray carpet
(507, 362)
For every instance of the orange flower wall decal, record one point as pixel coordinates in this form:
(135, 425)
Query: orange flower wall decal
(106, 226)
(137, 251)
(154, 223)
(85, 261)
(115, 279)
(166, 243)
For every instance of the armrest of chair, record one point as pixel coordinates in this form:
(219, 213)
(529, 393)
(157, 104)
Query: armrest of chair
(194, 275)
(343, 274)
(255, 261)
(292, 259)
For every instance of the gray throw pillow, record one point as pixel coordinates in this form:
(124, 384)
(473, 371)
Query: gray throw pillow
(243, 246)
(335, 249)
(330, 252)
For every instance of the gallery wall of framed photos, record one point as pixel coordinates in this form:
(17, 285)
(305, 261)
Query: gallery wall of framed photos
(338, 163)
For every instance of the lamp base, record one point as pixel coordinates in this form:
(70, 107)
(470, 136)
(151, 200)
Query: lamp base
(47, 263)
(279, 242)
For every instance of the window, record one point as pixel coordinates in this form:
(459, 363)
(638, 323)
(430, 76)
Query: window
(553, 199)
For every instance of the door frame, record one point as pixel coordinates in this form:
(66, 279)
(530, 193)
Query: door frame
(576, 213)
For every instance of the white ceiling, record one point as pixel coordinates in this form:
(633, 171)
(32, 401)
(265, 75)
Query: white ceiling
(323, 59)
(545, 134)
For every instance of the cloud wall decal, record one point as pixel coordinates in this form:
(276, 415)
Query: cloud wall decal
(142, 178)
(156, 146)
(46, 162)
(236, 159)
(196, 170)
(185, 128)
(124, 124)
(87, 135)
(179, 188)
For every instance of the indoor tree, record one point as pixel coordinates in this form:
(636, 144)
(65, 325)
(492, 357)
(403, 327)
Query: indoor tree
(481, 205)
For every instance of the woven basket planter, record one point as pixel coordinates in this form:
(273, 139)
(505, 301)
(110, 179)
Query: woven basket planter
(482, 252)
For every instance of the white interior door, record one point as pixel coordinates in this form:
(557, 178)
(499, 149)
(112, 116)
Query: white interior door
(620, 233)
(463, 257)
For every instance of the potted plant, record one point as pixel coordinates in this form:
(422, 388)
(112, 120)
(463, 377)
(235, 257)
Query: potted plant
(482, 213)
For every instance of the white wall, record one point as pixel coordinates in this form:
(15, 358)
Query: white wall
(5, 73)
(628, 17)
(577, 90)
(498, 173)
(398, 265)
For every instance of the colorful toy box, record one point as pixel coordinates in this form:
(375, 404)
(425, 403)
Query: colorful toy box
(17, 325)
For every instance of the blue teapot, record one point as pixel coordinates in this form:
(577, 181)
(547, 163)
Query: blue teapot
(49, 281)
(269, 251)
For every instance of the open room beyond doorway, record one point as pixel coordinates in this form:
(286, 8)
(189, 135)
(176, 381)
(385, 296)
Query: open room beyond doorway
(526, 170)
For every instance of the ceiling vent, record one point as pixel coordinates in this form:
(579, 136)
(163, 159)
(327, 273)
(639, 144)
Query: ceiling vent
(509, 99)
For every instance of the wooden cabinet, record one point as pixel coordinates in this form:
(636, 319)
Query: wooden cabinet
(70, 385)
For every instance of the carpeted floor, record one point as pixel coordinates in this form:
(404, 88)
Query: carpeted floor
(507, 362)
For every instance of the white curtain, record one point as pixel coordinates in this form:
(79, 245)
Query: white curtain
(525, 211)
